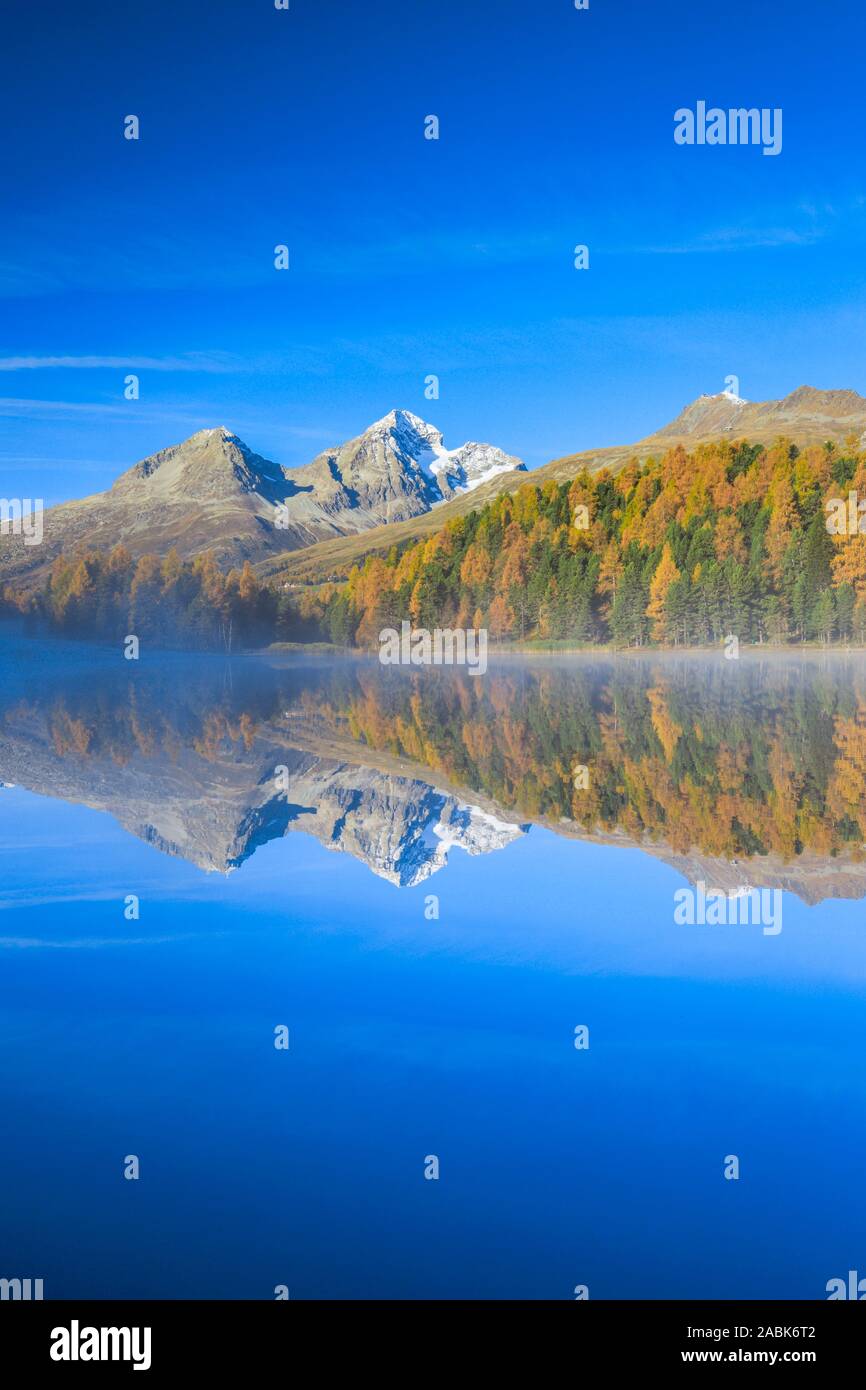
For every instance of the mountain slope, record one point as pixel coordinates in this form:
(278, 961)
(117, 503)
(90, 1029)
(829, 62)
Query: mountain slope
(806, 416)
(214, 805)
(216, 811)
(397, 469)
(213, 493)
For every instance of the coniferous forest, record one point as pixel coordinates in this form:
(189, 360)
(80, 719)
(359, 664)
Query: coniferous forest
(679, 551)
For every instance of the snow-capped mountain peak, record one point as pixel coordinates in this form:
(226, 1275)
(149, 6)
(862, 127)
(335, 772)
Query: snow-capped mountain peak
(466, 468)
(212, 492)
(421, 446)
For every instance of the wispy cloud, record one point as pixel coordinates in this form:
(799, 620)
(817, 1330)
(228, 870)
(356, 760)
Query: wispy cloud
(739, 239)
(194, 417)
(87, 943)
(220, 363)
(473, 249)
(12, 462)
(809, 222)
(26, 408)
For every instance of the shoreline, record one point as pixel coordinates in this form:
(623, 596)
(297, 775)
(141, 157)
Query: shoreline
(811, 651)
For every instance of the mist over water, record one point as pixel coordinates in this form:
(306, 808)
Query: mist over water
(431, 881)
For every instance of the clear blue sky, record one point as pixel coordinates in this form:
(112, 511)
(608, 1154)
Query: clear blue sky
(412, 256)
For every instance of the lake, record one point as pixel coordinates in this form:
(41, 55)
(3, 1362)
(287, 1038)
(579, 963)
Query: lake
(376, 975)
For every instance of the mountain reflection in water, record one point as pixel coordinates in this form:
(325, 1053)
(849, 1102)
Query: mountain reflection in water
(142, 983)
(736, 773)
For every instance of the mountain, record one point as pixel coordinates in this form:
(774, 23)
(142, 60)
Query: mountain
(198, 783)
(813, 416)
(213, 493)
(215, 808)
(397, 469)
(392, 483)
(806, 416)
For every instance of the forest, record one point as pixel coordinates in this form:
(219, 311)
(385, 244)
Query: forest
(165, 602)
(732, 539)
(671, 757)
(680, 551)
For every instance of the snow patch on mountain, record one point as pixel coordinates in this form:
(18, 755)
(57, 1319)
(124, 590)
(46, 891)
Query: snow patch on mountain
(455, 825)
(448, 471)
(724, 396)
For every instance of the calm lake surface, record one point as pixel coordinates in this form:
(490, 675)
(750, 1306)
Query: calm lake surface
(431, 880)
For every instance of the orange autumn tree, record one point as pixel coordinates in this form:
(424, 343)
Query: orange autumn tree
(666, 575)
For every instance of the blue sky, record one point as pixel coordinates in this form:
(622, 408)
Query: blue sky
(410, 256)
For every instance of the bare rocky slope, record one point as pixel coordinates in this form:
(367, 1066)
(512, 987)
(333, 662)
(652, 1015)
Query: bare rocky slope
(213, 493)
(398, 817)
(215, 811)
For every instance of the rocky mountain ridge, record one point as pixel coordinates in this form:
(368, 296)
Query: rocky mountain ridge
(216, 808)
(213, 493)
